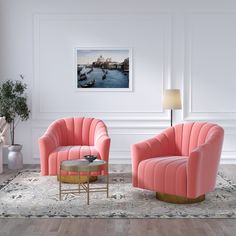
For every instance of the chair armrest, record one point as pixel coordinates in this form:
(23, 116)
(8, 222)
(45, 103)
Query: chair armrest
(102, 140)
(202, 167)
(155, 147)
(102, 144)
(46, 145)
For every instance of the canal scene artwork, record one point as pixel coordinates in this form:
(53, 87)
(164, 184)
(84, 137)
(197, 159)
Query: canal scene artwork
(103, 69)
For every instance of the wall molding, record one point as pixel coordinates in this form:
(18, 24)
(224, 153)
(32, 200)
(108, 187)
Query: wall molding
(188, 113)
(166, 79)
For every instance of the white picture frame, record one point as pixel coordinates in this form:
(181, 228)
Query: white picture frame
(103, 69)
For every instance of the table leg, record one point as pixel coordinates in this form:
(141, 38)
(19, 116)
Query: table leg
(88, 188)
(60, 184)
(79, 182)
(107, 181)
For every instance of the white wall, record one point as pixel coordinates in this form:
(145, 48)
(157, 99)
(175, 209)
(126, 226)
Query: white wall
(183, 44)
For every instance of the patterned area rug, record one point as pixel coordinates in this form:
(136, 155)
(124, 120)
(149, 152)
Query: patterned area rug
(30, 195)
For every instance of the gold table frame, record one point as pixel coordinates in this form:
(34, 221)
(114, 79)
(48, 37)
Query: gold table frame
(83, 166)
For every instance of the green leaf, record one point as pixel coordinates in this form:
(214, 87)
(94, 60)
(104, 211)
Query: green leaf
(13, 102)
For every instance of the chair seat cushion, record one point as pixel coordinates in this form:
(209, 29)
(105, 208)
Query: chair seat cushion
(164, 174)
(62, 153)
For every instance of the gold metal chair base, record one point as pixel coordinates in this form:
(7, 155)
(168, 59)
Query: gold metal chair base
(177, 199)
(75, 179)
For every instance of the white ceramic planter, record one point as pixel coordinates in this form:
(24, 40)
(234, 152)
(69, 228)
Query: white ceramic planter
(15, 158)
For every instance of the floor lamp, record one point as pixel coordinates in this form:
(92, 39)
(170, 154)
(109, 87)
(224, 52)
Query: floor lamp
(171, 100)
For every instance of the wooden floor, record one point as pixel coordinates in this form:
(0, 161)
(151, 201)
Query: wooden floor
(110, 227)
(117, 227)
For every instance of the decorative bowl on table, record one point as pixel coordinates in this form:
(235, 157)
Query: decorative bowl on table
(90, 158)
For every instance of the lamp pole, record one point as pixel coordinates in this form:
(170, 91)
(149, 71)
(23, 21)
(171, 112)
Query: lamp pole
(171, 117)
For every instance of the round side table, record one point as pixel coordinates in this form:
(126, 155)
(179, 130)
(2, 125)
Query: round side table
(81, 165)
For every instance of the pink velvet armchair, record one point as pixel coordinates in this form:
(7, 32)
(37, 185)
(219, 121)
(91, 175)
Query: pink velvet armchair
(72, 138)
(179, 164)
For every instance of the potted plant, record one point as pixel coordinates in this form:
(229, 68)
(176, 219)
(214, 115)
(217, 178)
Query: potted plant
(13, 106)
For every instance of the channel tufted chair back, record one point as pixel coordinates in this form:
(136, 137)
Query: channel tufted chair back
(182, 160)
(72, 138)
(181, 139)
(77, 131)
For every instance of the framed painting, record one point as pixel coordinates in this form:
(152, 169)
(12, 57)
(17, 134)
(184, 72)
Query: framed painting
(103, 69)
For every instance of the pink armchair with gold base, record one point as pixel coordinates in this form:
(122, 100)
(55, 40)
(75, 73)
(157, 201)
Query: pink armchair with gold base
(73, 138)
(181, 163)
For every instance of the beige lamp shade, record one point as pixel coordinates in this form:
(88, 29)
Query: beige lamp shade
(171, 99)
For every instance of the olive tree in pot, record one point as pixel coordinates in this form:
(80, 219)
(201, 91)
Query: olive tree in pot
(13, 106)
